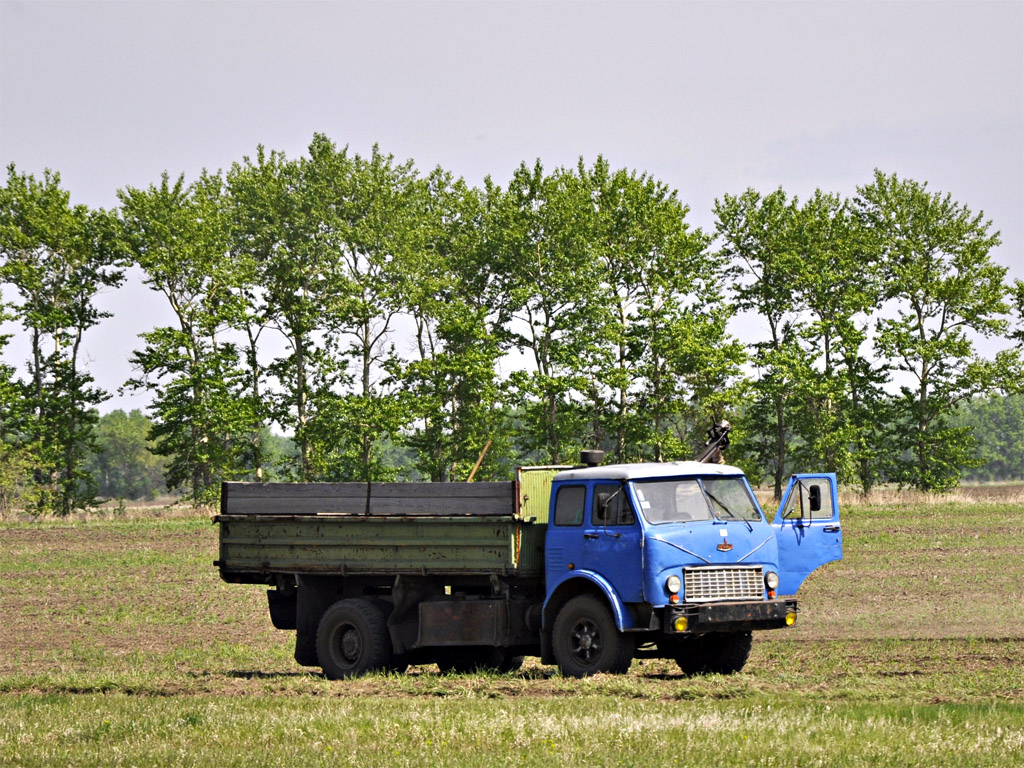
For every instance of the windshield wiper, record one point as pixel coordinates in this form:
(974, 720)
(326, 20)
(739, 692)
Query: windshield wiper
(729, 512)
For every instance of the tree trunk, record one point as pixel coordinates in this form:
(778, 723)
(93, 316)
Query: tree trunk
(780, 447)
(300, 404)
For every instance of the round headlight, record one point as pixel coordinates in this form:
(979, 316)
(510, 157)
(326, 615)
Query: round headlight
(771, 580)
(673, 584)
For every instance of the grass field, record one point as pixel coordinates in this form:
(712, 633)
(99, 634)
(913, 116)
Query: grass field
(119, 645)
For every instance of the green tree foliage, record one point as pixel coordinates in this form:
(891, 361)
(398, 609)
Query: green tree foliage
(10, 394)
(206, 418)
(279, 453)
(17, 456)
(18, 489)
(274, 230)
(124, 465)
(452, 385)
(551, 309)
(943, 287)
(997, 426)
(619, 307)
(663, 361)
(840, 396)
(1017, 334)
(760, 237)
(396, 324)
(57, 257)
(327, 238)
(371, 220)
(818, 275)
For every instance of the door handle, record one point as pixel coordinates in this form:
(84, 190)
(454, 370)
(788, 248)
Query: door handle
(831, 529)
(589, 535)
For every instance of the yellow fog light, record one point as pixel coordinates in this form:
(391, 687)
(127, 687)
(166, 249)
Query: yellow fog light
(680, 624)
(790, 619)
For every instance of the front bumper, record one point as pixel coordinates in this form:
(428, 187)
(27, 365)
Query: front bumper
(728, 617)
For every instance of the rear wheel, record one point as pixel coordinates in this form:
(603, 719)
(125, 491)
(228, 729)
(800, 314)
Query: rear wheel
(715, 654)
(353, 639)
(586, 641)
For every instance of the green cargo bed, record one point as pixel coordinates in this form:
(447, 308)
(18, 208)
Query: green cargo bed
(351, 529)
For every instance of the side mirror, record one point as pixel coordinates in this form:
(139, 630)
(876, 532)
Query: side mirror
(815, 498)
(603, 502)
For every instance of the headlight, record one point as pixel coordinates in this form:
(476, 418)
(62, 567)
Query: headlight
(673, 584)
(771, 580)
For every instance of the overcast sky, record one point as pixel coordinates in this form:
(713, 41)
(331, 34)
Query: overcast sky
(708, 97)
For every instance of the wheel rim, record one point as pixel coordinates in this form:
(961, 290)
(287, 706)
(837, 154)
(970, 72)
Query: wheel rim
(348, 645)
(585, 642)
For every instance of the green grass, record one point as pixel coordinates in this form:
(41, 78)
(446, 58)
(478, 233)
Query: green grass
(119, 645)
(587, 729)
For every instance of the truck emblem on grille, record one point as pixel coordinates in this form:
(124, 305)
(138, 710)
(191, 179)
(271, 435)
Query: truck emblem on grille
(725, 546)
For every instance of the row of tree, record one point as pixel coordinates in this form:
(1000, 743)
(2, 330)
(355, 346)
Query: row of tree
(362, 307)
(124, 466)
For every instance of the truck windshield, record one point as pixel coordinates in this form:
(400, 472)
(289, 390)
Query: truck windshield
(680, 501)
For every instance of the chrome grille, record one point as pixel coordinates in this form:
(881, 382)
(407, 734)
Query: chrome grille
(702, 585)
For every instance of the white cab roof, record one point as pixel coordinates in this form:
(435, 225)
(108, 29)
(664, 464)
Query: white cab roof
(647, 471)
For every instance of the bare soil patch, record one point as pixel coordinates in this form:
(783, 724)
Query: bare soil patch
(138, 605)
(119, 589)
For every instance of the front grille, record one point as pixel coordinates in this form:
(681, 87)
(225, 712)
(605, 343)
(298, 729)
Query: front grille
(701, 585)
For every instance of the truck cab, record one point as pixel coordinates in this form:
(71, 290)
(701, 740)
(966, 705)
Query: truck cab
(676, 560)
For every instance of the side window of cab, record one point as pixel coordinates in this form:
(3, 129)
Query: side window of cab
(570, 503)
(611, 507)
(811, 501)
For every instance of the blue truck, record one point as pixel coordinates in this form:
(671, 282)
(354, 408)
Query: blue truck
(587, 567)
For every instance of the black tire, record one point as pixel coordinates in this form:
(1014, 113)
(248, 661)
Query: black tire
(587, 642)
(463, 660)
(715, 654)
(353, 639)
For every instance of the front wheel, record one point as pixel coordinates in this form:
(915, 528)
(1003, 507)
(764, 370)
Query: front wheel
(353, 639)
(714, 654)
(586, 640)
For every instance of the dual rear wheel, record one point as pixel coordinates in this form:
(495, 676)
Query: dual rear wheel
(353, 639)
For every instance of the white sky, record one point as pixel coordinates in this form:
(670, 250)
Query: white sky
(709, 97)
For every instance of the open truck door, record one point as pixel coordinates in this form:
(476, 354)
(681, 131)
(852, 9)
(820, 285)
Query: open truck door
(807, 529)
